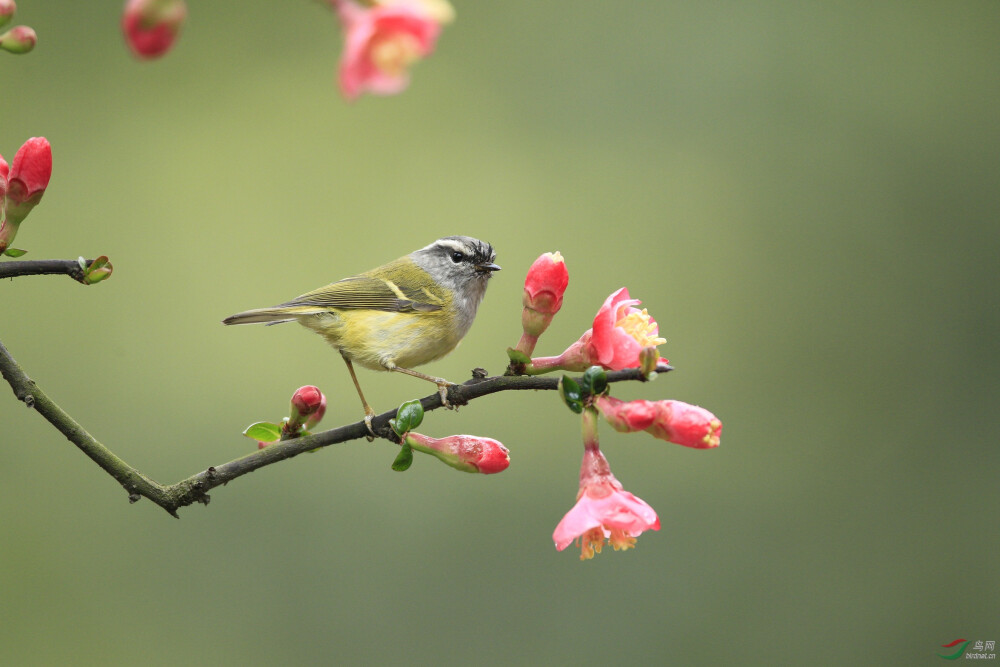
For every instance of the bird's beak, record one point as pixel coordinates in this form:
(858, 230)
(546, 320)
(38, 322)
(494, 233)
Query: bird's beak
(484, 268)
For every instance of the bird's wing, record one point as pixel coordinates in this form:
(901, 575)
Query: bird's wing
(369, 293)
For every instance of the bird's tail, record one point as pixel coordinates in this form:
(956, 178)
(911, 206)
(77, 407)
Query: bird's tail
(274, 315)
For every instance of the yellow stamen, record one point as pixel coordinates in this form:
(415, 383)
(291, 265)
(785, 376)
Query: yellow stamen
(393, 54)
(591, 542)
(637, 325)
(621, 540)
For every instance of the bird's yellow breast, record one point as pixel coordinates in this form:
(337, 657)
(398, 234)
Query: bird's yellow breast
(377, 339)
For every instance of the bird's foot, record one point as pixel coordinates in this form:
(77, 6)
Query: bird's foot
(443, 393)
(368, 425)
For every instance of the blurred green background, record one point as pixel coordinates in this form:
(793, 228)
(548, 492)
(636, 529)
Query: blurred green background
(806, 197)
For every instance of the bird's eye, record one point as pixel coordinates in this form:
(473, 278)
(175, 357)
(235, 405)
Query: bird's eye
(457, 257)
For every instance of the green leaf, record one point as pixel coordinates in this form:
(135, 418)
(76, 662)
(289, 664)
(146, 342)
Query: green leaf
(404, 459)
(14, 252)
(98, 263)
(82, 262)
(595, 380)
(517, 356)
(96, 276)
(408, 417)
(570, 393)
(263, 432)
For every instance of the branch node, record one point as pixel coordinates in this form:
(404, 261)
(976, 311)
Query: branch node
(134, 497)
(29, 401)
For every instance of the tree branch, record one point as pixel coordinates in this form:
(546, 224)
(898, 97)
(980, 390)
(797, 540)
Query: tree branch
(41, 267)
(196, 487)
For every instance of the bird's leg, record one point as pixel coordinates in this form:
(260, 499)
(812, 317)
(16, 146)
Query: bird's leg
(441, 383)
(369, 413)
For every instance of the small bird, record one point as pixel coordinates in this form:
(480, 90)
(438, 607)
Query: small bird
(408, 312)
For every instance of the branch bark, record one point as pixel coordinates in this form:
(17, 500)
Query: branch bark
(41, 267)
(195, 488)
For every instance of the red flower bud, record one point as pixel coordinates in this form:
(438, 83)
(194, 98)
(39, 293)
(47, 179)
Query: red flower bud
(151, 26)
(626, 416)
(7, 9)
(544, 287)
(546, 283)
(308, 405)
(22, 185)
(19, 39)
(30, 173)
(686, 424)
(468, 453)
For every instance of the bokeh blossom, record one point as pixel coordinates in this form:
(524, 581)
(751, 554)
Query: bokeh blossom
(382, 42)
(151, 27)
(19, 39)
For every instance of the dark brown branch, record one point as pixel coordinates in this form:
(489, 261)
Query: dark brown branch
(42, 267)
(195, 488)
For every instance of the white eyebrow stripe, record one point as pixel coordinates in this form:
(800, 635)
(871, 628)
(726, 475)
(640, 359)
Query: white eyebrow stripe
(452, 245)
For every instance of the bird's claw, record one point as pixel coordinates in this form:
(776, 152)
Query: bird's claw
(443, 393)
(368, 425)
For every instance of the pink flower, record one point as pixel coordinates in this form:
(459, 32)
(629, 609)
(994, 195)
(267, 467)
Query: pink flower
(22, 185)
(544, 287)
(381, 42)
(615, 342)
(686, 424)
(674, 421)
(151, 26)
(621, 331)
(603, 510)
(468, 453)
(19, 39)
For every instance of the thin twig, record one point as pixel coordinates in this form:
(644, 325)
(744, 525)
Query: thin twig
(195, 488)
(42, 267)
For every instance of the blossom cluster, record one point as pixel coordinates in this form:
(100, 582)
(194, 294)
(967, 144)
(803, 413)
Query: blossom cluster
(622, 336)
